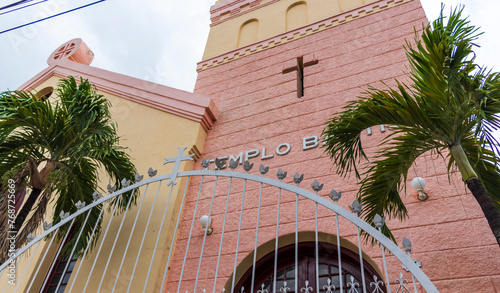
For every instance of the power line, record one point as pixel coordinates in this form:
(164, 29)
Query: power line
(19, 8)
(15, 4)
(49, 17)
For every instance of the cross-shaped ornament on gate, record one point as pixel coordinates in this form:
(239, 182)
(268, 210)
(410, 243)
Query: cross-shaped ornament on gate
(177, 160)
(299, 67)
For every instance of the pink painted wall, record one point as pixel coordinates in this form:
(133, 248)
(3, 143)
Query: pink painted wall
(259, 108)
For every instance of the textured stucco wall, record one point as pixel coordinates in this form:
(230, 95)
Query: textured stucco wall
(150, 135)
(259, 108)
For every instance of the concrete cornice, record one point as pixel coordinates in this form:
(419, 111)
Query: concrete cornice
(192, 106)
(225, 10)
(300, 32)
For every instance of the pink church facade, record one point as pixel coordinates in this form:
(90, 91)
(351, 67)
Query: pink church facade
(273, 73)
(263, 119)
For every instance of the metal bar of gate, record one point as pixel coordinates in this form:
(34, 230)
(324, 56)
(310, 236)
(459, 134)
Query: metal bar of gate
(158, 237)
(361, 259)
(297, 242)
(276, 241)
(316, 248)
(239, 233)
(72, 251)
(205, 234)
(144, 236)
(387, 282)
(175, 233)
(190, 234)
(102, 242)
(87, 248)
(256, 239)
(394, 249)
(114, 243)
(43, 258)
(58, 252)
(222, 233)
(130, 237)
(27, 266)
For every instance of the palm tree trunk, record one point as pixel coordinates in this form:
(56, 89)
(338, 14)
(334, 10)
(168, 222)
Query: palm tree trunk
(489, 209)
(477, 189)
(28, 205)
(37, 181)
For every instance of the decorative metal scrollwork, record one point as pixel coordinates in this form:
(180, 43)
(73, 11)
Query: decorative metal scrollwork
(356, 207)
(335, 196)
(352, 285)
(96, 195)
(378, 221)
(281, 175)
(329, 287)
(418, 263)
(263, 170)
(125, 183)
(377, 284)
(306, 289)
(111, 189)
(152, 172)
(220, 164)
(284, 289)
(316, 186)
(262, 290)
(63, 215)
(31, 237)
(298, 178)
(46, 226)
(205, 164)
(233, 164)
(80, 205)
(402, 288)
(247, 166)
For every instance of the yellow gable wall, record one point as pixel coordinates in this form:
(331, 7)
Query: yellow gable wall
(272, 21)
(151, 135)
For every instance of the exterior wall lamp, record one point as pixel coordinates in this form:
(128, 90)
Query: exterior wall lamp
(206, 224)
(418, 183)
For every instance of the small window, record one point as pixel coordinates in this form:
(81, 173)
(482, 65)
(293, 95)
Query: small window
(45, 93)
(57, 274)
(61, 273)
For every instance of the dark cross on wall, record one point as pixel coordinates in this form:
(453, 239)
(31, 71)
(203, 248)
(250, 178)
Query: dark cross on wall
(300, 73)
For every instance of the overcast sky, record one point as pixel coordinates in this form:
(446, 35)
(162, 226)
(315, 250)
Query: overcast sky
(157, 40)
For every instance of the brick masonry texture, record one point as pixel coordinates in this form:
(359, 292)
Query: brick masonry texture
(259, 108)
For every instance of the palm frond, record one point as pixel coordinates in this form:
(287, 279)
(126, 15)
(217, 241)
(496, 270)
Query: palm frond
(75, 133)
(392, 106)
(118, 166)
(385, 179)
(452, 102)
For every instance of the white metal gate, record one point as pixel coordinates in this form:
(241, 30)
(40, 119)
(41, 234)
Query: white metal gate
(200, 263)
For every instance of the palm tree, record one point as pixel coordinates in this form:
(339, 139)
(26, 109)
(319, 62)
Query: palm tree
(449, 109)
(72, 138)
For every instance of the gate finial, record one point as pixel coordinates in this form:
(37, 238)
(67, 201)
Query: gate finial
(177, 160)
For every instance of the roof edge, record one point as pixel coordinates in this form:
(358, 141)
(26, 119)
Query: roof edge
(192, 106)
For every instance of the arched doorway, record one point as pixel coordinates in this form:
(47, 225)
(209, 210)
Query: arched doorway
(306, 264)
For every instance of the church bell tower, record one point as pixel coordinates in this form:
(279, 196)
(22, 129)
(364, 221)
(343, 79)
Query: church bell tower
(277, 69)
